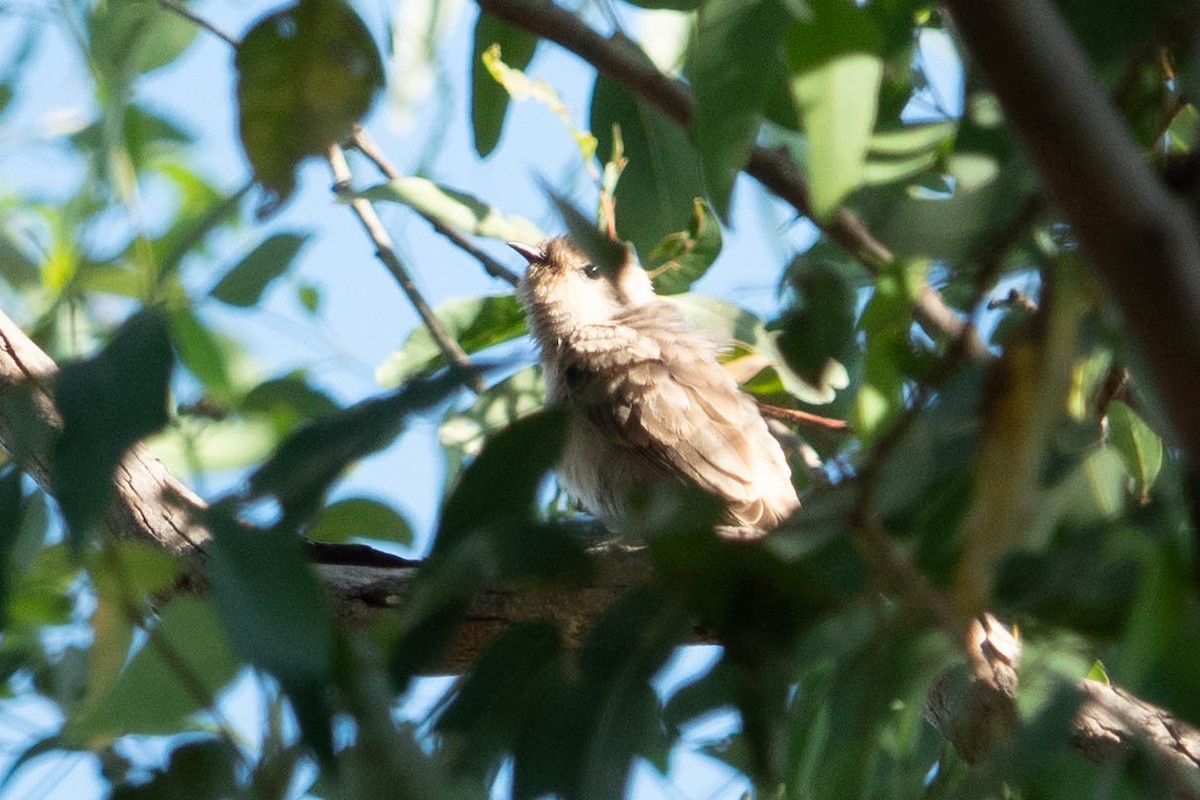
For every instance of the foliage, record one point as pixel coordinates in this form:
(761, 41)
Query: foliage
(1039, 480)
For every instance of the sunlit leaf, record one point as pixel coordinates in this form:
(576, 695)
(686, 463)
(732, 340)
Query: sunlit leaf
(736, 55)
(135, 36)
(457, 209)
(1139, 446)
(306, 74)
(836, 71)
(683, 257)
(476, 323)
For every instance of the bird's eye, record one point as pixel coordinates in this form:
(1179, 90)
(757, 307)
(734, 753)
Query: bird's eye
(591, 270)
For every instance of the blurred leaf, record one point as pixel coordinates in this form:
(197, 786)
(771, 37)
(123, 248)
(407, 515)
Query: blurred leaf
(310, 297)
(819, 327)
(663, 177)
(457, 209)
(360, 517)
(17, 266)
(683, 257)
(244, 284)
(291, 399)
(312, 458)
(306, 74)
(1139, 446)
(735, 56)
(501, 484)
(273, 609)
(673, 5)
(905, 153)
(200, 352)
(476, 323)
(232, 443)
(489, 100)
(463, 433)
(107, 404)
(836, 72)
(200, 769)
(10, 528)
(604, 252)
(729, 323)
(153, 695)
(128, 37)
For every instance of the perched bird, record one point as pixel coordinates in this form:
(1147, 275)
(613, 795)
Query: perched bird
(650, 402)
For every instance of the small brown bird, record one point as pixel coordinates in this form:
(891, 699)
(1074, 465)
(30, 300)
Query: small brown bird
(650, 401)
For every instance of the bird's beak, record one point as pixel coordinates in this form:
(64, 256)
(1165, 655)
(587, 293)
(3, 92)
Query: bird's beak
(530, 253)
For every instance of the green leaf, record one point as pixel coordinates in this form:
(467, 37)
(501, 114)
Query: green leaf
(273, 609)
(200, 352)
(128, 37)
(1140, 447)
(363, 518)
(452, 207)
(107, 404)
(897, 155)
(734, 58)
(244, 285)
(152, 695)
(463, 433)
(291, 399)
(836, 72)
(305, 465)
(489, 100)
(682, 258)
(819, 327)
(502, 483)
(604, 252)
(10, 529)
(670, 5)
(476, 323)
(663, 177)
(306, 74)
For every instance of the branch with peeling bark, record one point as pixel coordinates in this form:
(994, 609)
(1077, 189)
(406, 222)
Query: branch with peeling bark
(976, 710)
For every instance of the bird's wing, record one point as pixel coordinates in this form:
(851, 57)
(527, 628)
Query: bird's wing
(653, 384)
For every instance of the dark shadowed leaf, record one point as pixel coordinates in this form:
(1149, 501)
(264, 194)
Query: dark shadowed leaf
(1140, 447)
(107, 403)
(663, 175)
(10, 529)
(244, 285)
(290, 396)
(463, 433)
(683, 257)
(604, 252)
(151, 695)
(199, 769)
(820, 324)
(306, 74)
(736, 55)
(304, 466)
(489, 100)
(360, 518)
(476, 323)
(673, 5)
(201, 353)
(273, 609)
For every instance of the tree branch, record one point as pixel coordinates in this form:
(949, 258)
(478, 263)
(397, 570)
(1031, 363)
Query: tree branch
(624, 63)
(385, 250)
(365, 144)
(1143, 246)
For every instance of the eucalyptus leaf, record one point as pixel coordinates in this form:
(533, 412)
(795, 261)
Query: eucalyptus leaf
(490, 100)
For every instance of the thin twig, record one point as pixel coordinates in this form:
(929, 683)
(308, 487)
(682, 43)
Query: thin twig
(624, 63)
(185, 12)
(798, 417)
(385, 250)
(365, 144)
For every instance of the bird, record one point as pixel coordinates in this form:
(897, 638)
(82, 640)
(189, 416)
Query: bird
(649, 401)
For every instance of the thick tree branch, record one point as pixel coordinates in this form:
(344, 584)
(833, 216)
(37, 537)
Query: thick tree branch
(976, 709)
(1144, 247)
(624, 63)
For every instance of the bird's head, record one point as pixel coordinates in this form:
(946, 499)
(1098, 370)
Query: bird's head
(564, 286)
